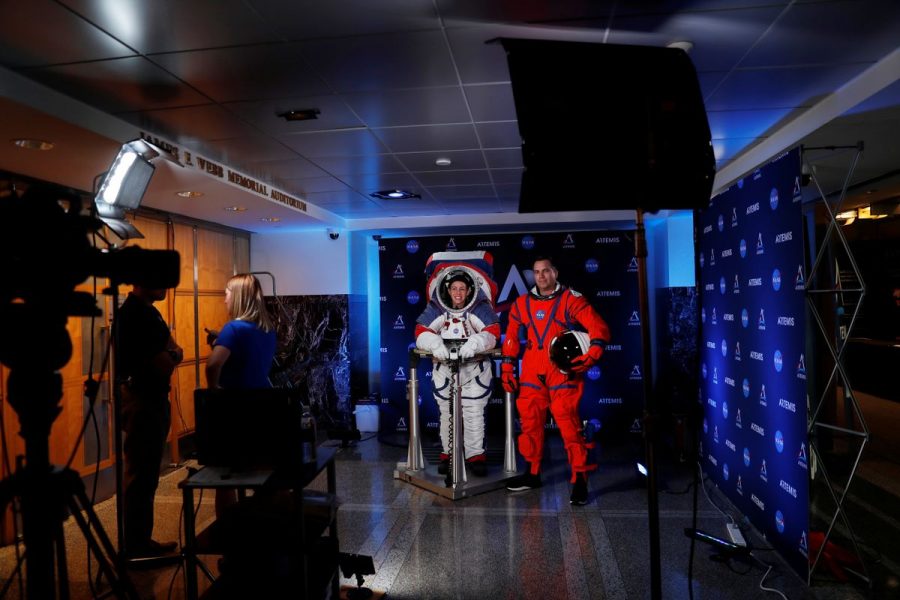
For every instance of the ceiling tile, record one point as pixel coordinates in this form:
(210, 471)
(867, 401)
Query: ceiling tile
(504, 159)
(193, 123)
(119, 85)
(452, 192)
(316, 184)
(422, 106)
(474, 206)
(333, 114)
(339, 18)
(359, 165)
(504, 134)
(472, 177)
(245, 73)
(459, 159)
(830, 32)
(492, 102)
(779, 87)
(346, 196)
(238, 152)
(507, 175)
(62, 36)
(429, 138)
(720, 37)
(173, 25)
(381, 62)
(292, 168)
(334, 143)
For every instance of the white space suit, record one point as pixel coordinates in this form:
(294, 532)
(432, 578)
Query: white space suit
(470, 329)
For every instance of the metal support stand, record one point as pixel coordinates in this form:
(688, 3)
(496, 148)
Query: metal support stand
(651, 417)
(455, 485)
(836, 345)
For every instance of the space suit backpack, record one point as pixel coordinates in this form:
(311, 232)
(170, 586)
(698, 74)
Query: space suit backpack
(475, 268)
(568, 346)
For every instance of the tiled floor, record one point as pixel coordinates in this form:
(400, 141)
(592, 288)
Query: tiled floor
(527, 544)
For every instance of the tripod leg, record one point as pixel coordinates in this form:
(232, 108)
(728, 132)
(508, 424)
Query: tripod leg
(98, 543)
(62, 569)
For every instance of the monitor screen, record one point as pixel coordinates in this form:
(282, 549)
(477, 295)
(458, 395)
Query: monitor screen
(246, 429)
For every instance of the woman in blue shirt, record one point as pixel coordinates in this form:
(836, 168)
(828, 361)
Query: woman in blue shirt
(243, 351)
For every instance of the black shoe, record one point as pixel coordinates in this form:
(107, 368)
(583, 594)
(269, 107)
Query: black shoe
(528, 481)
(478, 467)
(579, 491)
(444, 465)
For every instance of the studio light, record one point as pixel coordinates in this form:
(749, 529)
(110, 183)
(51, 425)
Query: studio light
(122, 187)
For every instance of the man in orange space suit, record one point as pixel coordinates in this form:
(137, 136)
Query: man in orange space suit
(548, 310)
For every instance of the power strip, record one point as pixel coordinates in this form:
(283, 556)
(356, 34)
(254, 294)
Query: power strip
(735, 535)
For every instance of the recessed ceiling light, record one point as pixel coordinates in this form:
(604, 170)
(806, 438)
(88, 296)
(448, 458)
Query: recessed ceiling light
(443, 162)
(394, 195)
(270, 219)
(189, 194)
(30, 144)
(303, 114)
(235, 208)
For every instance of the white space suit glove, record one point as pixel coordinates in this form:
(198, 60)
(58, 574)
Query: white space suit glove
(439, 350)
(469, 349)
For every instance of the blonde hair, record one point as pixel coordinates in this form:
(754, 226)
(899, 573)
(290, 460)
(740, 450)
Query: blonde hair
(247, 301)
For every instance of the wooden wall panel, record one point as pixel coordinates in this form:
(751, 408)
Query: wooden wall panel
(183, 387)
(213, 315)
(184, 244)
(184, 322)
(215, 252)
(242, 254)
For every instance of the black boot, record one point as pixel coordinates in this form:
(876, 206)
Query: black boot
(579, 491)
(528, 481)
(444, 465)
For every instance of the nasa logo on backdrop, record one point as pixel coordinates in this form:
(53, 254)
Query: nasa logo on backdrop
(745, 387)
(776, 280)
(722, 285)
(724, 409)
(778, 360)
(705, 425)
(779, 441)
(593, 373)
(703, 370)
(740, 183)
(725, 472)
(703, 315)
(412, 246)
(742, 248)
(527, 242)
(746, 456)
(721, 223)
(591, 265)
(702, 260)
(412, 297)
(773, 198)
(724, 348)
(779, 521)
(745, 318)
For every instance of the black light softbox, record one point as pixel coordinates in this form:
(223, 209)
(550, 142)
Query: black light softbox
(607, 126)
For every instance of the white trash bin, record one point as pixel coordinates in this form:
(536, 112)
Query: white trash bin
(366, 417)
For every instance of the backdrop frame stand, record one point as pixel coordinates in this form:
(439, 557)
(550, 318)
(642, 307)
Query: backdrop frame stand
(836, 345)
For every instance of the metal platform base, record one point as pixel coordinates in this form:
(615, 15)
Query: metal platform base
(429, 479)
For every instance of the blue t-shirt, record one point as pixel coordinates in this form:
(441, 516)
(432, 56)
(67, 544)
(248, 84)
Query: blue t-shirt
(252, 351)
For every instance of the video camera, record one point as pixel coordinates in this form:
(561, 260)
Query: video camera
(46, 251)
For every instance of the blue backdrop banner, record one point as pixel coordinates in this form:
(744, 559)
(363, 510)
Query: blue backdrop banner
(600, 265)
(752, 367)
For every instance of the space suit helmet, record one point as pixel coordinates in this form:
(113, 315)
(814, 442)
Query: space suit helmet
(451, 277)
(568, 346)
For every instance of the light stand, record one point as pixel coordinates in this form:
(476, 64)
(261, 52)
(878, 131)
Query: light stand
(651, 418)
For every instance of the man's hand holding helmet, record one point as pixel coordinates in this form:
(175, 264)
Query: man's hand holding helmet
(582, 363)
